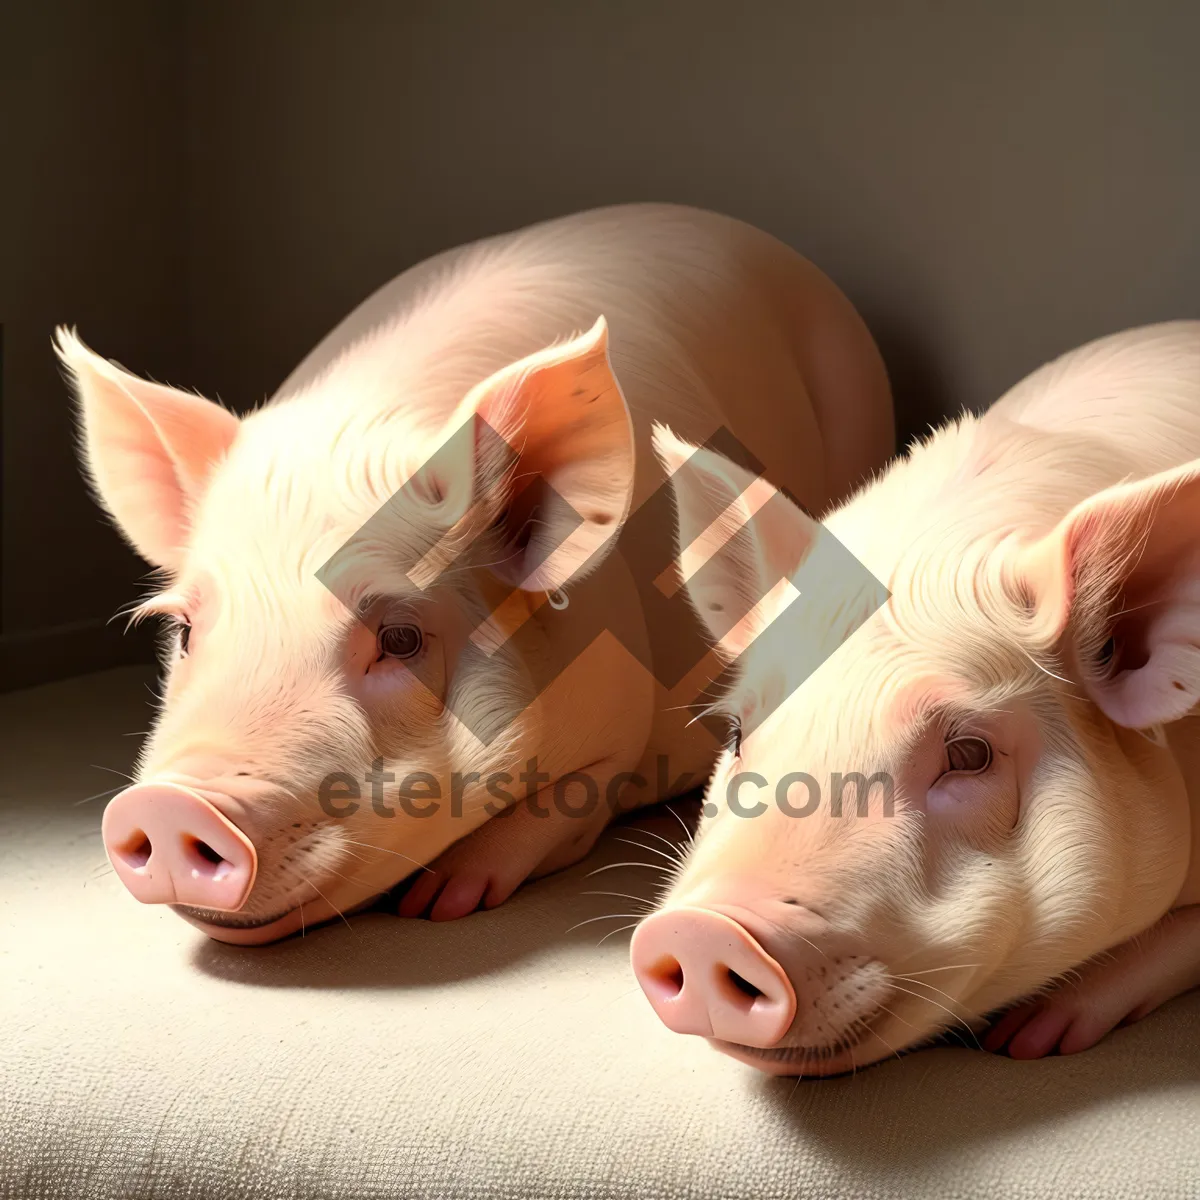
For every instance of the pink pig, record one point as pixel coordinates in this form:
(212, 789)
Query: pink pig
(988, 794)
(477, 459)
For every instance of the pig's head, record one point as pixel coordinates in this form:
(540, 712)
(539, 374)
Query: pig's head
(962, 801)
(327, 568)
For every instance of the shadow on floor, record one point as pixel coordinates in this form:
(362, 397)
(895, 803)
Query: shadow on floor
(886, 1120)
(377, 949)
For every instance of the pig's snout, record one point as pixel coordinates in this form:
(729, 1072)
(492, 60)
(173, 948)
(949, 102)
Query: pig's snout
(704, 974)
(168, 845)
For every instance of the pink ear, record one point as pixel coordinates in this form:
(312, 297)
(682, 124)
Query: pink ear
(149, 449)
(737, 537)
(548, 429)
(1122, 573)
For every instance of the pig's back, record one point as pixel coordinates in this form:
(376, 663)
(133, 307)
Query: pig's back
(713, 323)
(1139, 390)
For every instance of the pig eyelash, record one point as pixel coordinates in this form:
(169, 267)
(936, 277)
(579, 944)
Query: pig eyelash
(166, 605)
(183, 630)
(735, 736)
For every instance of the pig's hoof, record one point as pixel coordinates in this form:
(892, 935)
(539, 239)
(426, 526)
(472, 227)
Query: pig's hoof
(448, 892)
(1064, 1021)
(443, 896)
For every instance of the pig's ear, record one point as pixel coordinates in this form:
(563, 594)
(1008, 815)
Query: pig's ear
(1120, 576)
(149, 449)
(737, 538)
(544, 450)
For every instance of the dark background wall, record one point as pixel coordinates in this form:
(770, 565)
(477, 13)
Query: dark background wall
(991, 184)
(92, 232)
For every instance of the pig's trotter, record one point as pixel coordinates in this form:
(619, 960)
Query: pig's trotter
(489, 864)
(1114, 989)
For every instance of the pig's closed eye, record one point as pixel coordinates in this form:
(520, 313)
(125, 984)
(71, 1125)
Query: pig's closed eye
(735, 736)
(968, 755)
(185, 636)
(400, 641)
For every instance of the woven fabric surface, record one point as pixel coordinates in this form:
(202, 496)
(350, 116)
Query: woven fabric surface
(504, 1055)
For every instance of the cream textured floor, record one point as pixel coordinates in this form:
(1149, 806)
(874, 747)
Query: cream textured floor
(496, 1057)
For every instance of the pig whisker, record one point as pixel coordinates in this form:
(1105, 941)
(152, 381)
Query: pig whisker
(622, 929)
(624, 896)
(673, 859)
(97, 796)
(343, 878)
(682, 824)
(300, 882)
(113, 771)
(665, 840)
(385, 850)
(875, 1034)
(710, 710)
(1137, 608)
(674, 846)
(954, 1017)
(606, 917)
(614, 866)
(306, 881)
(922, 983)
(331, 905)
(884, 1008)
(812, 945)
(957, 967)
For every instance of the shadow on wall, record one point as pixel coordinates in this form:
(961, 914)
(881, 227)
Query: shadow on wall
(923, 395)
(990, 185)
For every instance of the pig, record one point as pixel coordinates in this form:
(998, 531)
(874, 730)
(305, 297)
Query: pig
(985, 798)
(364, 579)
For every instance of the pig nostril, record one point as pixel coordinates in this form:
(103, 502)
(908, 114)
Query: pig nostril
(136, 851)
(741, 989)
(206, 861)
(666, 977)
(208, 853)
